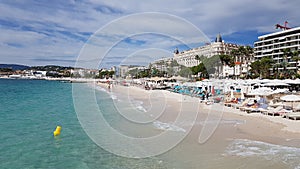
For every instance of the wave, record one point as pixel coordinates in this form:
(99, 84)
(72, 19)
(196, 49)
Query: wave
(167, 126)
(202, 123)
(138, 105)
(111, 94)
(250, 148)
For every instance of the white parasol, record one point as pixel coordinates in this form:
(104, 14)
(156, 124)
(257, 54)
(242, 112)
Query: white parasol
(290, 98)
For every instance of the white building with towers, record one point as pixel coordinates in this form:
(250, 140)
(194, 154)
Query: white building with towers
(218, 47)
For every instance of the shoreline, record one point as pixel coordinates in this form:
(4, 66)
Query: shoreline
(258, 127)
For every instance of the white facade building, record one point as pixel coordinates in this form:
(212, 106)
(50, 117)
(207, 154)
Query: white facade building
(273, 45)
(187, 58)
(242, 63)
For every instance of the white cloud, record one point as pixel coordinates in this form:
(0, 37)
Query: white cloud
(34, 32)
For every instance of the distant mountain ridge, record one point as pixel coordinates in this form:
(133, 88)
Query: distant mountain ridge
(14, 66)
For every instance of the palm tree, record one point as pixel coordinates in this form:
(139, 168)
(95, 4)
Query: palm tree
(296, 58)
(265, 65)
(286, 53)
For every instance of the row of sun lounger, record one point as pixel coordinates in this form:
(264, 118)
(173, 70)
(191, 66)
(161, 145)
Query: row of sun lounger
(277, 111)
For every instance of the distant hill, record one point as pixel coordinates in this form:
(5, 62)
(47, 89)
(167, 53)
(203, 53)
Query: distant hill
(14, 66)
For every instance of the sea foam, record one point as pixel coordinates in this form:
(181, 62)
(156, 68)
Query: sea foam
(167, 126)
(250, 148)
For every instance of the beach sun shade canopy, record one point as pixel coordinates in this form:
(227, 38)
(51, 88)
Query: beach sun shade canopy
(263, 91)
(275, 84)
(290, 98)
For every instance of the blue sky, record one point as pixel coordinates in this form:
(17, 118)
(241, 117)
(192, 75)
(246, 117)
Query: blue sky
(58, 32)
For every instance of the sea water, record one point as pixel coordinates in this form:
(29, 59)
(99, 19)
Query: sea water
(30, 110)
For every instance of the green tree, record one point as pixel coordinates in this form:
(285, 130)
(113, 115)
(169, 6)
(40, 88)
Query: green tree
(185, 72)
(286, 54)
(265, 65)
(255, 69)
(227, 60)
(261, 68)
(295, 55)
(296, 58)
(106, 74)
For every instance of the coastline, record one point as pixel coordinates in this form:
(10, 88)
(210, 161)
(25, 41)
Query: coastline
(256, 126)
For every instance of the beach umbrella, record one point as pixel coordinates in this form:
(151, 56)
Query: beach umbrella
(290, 98)
(290, 81)
(263, 91)
(276, 84)
(280, 91)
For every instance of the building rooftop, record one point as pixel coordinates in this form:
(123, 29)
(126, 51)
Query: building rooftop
(218, 38)
(279, 33)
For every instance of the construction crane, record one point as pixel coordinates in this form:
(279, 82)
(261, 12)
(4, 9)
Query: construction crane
(282, 27)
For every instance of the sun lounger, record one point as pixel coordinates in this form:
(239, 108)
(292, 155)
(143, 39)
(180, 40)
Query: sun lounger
(271, 104)
(293, 115)
(296, 108)
(229, 104)
(252, 110)
(262, 110)
(244, 104)
(274, 111)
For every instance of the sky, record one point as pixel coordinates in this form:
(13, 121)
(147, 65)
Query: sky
(94, 33)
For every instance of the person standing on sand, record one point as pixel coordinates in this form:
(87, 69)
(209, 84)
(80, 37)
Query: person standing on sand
(206, 93)
(203, 94)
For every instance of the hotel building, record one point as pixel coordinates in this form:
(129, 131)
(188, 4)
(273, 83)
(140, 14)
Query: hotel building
(218, 47)
(273, 46)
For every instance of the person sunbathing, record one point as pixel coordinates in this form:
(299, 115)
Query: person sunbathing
(255, 104)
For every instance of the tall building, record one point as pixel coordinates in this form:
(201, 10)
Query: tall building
(275, 45)
(188, 57)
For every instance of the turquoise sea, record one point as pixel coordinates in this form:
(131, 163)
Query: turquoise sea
(30, 110)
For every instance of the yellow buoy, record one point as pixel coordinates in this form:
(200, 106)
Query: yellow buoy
(57, 131)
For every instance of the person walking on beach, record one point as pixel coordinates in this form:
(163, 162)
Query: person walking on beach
(206, 93)
(203, 94)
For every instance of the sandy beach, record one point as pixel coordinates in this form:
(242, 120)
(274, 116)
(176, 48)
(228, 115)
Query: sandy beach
(231, 124)
(270, 123)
